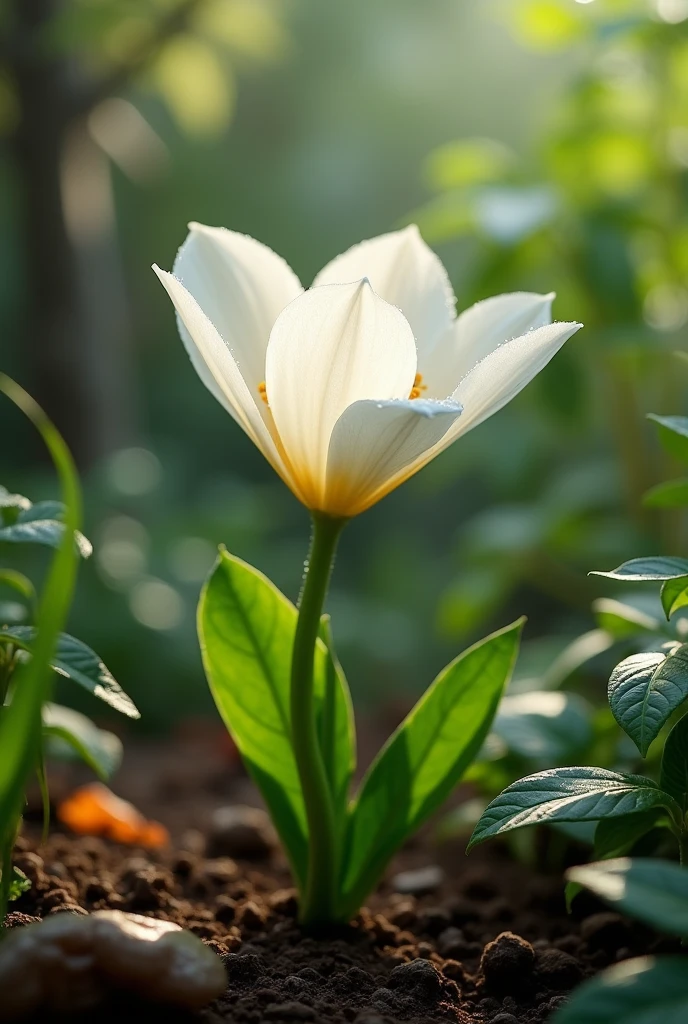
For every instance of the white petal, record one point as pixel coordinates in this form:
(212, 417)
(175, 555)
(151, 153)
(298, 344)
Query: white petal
(407, 273)
(218, 370)
(375, 446)
(331, 347)
(242, 286)
(504, 372)
(477, 332)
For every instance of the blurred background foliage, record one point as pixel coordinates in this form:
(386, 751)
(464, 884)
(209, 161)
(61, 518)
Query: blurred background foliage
(539, 144)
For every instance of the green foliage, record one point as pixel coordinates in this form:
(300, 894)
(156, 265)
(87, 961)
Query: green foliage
(615, 837)
(43, 523)
(424, 759)
(645, 689)
(654, 891)
(674, 770)
(69, 734)
(644, 991)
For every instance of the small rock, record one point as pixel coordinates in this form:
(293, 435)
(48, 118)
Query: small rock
(419, 883)
(419, 979)
(68, 964)
(507, 963)
(558, 970)
(239, 831)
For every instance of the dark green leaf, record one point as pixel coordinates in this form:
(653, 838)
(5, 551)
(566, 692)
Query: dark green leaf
(674, 595)
(654, 891)
(544, 725)
(19, 884)
(623, 620)
(69, 733)
(74, 660)
(569, 794)
(650, 569)
(674, 772)
(645, 689)
(670, 494)
(246, 629)
(42, 523)
(615, 837)
(673, 433)
(642, 991)
(425, 758)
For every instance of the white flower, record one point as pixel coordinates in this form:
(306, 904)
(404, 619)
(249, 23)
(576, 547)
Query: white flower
(351, 387)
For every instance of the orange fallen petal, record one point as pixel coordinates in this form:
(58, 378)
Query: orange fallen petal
(95, 810)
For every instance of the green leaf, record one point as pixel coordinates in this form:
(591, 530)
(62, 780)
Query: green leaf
(670, 494)
(42, 523)
(641, 991)
(673, 433)
(18, 885)
(20, 725)
(246, 629)
(654, 891)
(69, 733)
(18, 582)
(544, 725)
(17, 502)
(425, 758)
(645, 689)
(650, 569)
(623, 620)
(336, 727)
(674, 771)
(74, 660)
(615, 837)
(674, 595)
(569, 794)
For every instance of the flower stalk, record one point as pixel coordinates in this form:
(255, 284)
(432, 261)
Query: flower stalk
(317, 899)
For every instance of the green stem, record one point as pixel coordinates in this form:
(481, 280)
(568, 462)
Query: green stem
(317, 899)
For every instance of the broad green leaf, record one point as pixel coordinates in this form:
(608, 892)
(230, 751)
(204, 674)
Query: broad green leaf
(642, 991)
(673, 433)
(674, 595)
(20, 725)
(645, 689)
(70, 733)
(654, 891)
(544, 725)
(650, 569)
(670, 494)
(615, 837)
(674, 771)
(42, 523)
(18, 885)
(623, 620)
(569, 794)
(424, 759)
(246, 630)
(74, 660)
(18, 582)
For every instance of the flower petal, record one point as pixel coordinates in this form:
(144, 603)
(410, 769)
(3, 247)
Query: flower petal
(218, 370)
(242, 286)
(375, 447)
(477, 332)
(504, 372)
(406, 272)
(331, 347)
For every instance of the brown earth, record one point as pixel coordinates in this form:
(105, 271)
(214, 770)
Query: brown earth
(490, 943)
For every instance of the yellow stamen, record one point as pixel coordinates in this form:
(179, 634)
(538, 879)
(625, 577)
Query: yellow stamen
(418, 387)
(263, 391)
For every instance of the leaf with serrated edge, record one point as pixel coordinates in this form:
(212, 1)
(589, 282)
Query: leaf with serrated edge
(650, 569)
(74, 660)
(641, 991)
(654, 891)
(424, 759)
(645, 689)
(674, 771)
(569, 794)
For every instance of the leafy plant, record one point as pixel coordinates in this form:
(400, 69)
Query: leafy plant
(30, 727)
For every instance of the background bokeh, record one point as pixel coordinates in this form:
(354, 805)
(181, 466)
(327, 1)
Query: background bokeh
(539, 144)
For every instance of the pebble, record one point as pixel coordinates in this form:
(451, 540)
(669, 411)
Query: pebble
(419, 979)
(558, 970)
(507, 963)
(240, 831)
(69, 964)
(419, 883)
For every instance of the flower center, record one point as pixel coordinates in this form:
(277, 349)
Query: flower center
(263, 391)
(418, 387)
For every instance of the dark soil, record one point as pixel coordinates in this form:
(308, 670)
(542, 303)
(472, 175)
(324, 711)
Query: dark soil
(490, 944)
